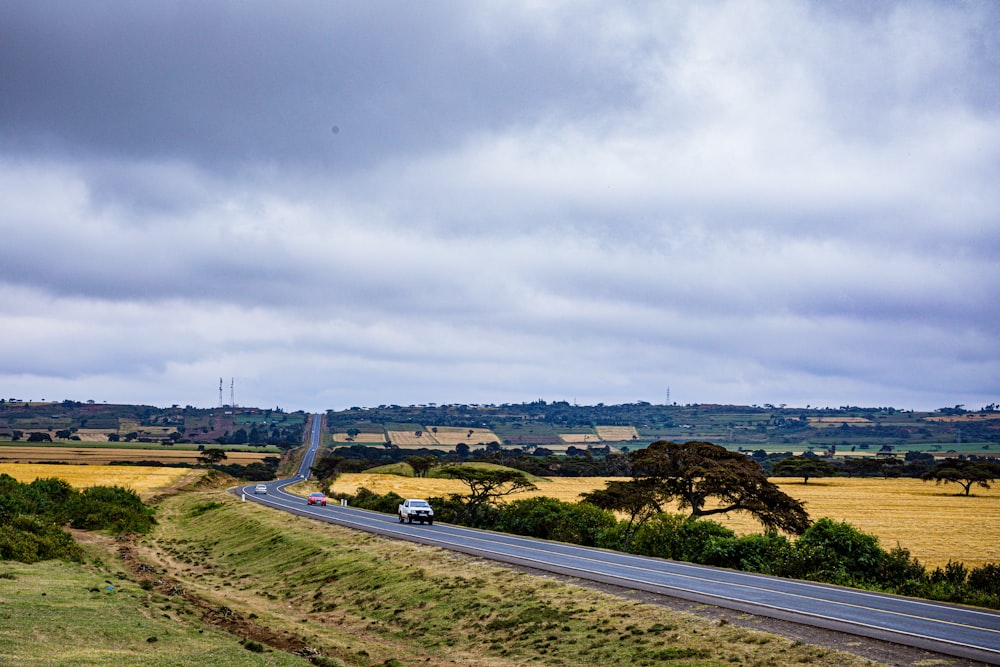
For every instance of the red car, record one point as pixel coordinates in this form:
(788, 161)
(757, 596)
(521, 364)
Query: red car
(316, 499)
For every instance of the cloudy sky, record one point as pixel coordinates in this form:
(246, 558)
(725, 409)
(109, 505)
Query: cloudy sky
(340, 204)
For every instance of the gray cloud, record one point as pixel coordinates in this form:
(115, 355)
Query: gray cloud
(791, 202)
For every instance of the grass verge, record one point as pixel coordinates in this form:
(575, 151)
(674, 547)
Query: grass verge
(278, 582)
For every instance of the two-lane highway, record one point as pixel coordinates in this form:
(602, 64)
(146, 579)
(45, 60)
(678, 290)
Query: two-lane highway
(961, 631)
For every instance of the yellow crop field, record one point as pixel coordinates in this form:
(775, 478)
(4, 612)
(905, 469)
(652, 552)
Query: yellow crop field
(972, 417)
(94, 434)
(411, 439)
(360, 438)
(930, 520)
(617, 432)
(104, 455)
(579, 438)
(141, 479)
(452, 435)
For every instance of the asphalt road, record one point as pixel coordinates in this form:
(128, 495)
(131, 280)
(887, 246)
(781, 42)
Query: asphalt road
(950, 629)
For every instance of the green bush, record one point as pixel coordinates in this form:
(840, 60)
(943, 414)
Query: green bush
(111, 508)
(369, 500)
(31, 516)
(680, 537)
(551, 519)
(30, 539)
(769, 553)
(837, 552)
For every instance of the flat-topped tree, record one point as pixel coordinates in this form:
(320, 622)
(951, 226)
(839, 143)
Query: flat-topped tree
(964, 472)
(487, 485)
(694, 472)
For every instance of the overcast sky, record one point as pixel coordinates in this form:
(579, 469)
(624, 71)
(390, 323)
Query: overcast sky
(353, 204)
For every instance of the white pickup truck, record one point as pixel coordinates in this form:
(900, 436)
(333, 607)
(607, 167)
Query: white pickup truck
(414, 509)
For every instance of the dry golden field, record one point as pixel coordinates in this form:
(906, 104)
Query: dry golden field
(617, 432)
(837, 421)
(578, 438)
(141, 479)
(452, 435)
(976, 416)
(360, 438)
(411, 439)
(930, 520)
(104, 455)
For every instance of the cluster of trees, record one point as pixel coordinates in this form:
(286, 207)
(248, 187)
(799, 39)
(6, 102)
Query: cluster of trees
(966, 471)
(31, 516)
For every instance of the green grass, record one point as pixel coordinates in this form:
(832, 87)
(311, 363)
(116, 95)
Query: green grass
(57, 613)
(403, 469)
(360, 599)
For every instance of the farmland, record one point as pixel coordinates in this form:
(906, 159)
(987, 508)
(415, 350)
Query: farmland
(104, 455)
(931, 521)
(141, 479)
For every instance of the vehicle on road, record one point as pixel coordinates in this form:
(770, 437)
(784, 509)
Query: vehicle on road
(316, 499)
(260, 488)
(416, 509)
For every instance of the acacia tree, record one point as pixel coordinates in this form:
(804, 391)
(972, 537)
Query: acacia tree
(486, 485)
(694, 472)
(212, 456)
(964, 472)
(804, 467)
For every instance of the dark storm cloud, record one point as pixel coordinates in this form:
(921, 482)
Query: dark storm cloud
(225, 84)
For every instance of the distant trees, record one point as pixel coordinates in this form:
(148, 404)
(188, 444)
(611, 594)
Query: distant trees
(964, 472)
(421, 464)
(326, 470)
(804, 467)
(210, 457)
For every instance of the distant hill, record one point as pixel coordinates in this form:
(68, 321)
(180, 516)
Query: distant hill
(559, 426)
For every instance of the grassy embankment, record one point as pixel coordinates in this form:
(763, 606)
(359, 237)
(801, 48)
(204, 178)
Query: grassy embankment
(359, 599)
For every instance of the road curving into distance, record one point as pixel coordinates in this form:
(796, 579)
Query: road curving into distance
(960, 631)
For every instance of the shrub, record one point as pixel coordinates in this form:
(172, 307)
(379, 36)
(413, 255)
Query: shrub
(112, 508)
(837, 552)
(29, 539)
(679, 537)
(551, 519)
(369, 500)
